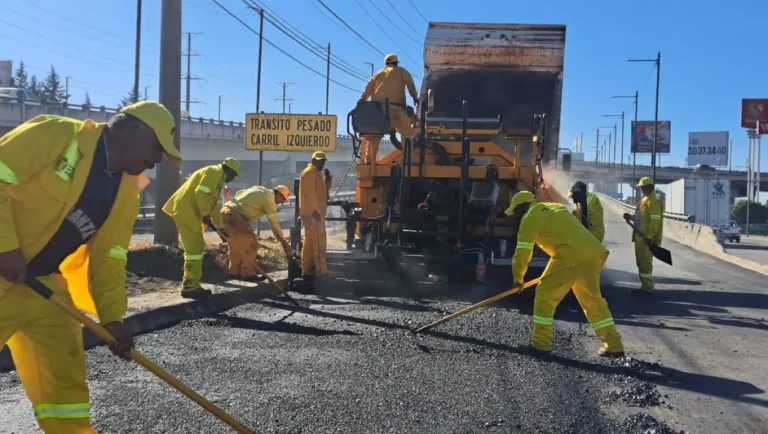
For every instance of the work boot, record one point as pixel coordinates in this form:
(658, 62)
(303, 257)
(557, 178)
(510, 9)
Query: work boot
(530, 349)
(196, 293)
(603, 352)
(642, 292)
(254, 278)
(235, 277)
(302, 286)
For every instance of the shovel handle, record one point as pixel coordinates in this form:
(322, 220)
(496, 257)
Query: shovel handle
(40, 288)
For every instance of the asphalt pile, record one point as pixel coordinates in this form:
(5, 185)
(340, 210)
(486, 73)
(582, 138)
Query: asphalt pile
(644, 423)
(640, 395)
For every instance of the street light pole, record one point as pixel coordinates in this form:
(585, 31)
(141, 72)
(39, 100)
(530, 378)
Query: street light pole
(657, 60)
(369, 63)
(138, 52)
(632, 138)
(145, 92)
(220, 106)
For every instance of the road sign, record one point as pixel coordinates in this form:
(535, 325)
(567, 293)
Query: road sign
(752, 111)
(642, 142)
(290, 132)
(709, 148)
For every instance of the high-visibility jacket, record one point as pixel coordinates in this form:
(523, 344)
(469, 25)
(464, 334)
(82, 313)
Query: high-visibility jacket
(594, 216)
(44, 164)
(390, 83)
(256, 202)
(650, 216)
(198, 197)
(313, 192)
(557, 233)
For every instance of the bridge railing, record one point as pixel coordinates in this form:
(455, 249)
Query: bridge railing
(630, 209)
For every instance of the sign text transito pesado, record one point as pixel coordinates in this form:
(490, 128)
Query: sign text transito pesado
(290, 132)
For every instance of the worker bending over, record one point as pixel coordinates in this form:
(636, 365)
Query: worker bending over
(69, 195)
(313, 205)
(588, 209)
(389, 84)
(576, 259)
(194, 206)
(648, 222)
(249, 206)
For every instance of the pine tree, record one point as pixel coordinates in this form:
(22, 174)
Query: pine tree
(34, 86)
(20, 78)
(128, 100)
(87, 102)
(52, 91)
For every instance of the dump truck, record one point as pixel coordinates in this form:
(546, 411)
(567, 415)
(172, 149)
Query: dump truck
(486, 126)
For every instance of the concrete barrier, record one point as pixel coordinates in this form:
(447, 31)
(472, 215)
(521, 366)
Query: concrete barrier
(698, 237)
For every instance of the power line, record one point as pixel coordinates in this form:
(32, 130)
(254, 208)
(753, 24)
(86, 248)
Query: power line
(403, 18)
(391, 22)
(350, 27)
(383, 30)
(318, 46)
(280, 49)
(310, 49)
(418, 11)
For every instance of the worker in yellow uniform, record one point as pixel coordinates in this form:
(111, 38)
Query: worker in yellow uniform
(588, 209)
(69, 195)
(194, 206)
(389, 84)
(649, 224)
(576, 259)
(249, 206)
(313, 205)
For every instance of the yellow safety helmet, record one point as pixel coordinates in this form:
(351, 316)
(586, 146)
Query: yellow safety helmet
(285, 191)
(391, 58)
(233, 164)
(319, 155)
(644, 181)
(519, 198)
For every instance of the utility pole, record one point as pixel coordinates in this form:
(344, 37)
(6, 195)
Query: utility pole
(220, 106)
(369, 63)
(284, 99)
(258, 97)
(328, 79)
(169, 95)
(146, 95)
(597, 149)
(289, 107)
(189, 69)
(138, 52)
(613, 169)
(581, 142)
(632, 140)
(66, 90)
(657, 60)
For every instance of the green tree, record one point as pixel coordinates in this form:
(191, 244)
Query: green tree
(129, 99)
(52, 90)
(20, 77)
(34, 86)
(87, 102)
(758, 213)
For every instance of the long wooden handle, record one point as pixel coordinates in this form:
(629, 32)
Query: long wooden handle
(164, 375)
(485, 302)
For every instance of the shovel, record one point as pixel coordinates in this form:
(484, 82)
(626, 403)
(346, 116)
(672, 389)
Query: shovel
(45, 292)
(657, 251)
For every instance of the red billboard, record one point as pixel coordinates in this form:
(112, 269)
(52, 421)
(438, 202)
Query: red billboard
(754, 111)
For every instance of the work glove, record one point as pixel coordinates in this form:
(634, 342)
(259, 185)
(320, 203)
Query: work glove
(287, 249)
(627, 217)
(13, 267)
(207, 221)
(423, 206)
(123, 340)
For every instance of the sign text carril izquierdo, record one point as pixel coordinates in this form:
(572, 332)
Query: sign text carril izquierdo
(290, 132)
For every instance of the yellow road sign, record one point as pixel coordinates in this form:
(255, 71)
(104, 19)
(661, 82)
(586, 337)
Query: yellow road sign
(290, 132)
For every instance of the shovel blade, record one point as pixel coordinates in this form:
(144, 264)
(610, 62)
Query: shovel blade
(661, 254)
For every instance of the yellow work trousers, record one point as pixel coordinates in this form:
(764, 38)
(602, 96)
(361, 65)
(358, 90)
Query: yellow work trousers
(644, 260)
(193, 243)
(584, 278)
(242, 242)
(399, 122)
(47, 349)
(315, 243)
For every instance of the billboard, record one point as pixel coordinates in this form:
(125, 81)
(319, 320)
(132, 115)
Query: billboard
(290, 132)
(754, 111)
(642, 140)
(710, 148)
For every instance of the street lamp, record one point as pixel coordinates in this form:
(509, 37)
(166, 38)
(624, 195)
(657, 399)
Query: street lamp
(220, 106)
(289, 107)
(598, 144)
(632, 140)
(369, 63)
(145, 92)
(657, 60)
(621, 159)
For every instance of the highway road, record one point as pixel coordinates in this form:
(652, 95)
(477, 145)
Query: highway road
(752, 248)
(348, 364)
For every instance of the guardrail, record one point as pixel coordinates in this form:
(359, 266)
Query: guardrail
(629, 208)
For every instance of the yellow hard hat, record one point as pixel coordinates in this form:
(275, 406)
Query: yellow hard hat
(519, 198)
(644, 181)
(157, 117)
(285, 191)
(319, 155)
(233, 164)
(391, 58)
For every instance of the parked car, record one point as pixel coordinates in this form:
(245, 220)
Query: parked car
(732, 232)
(15, 94)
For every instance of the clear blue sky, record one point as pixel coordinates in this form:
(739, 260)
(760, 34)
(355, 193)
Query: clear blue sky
(713, 54)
